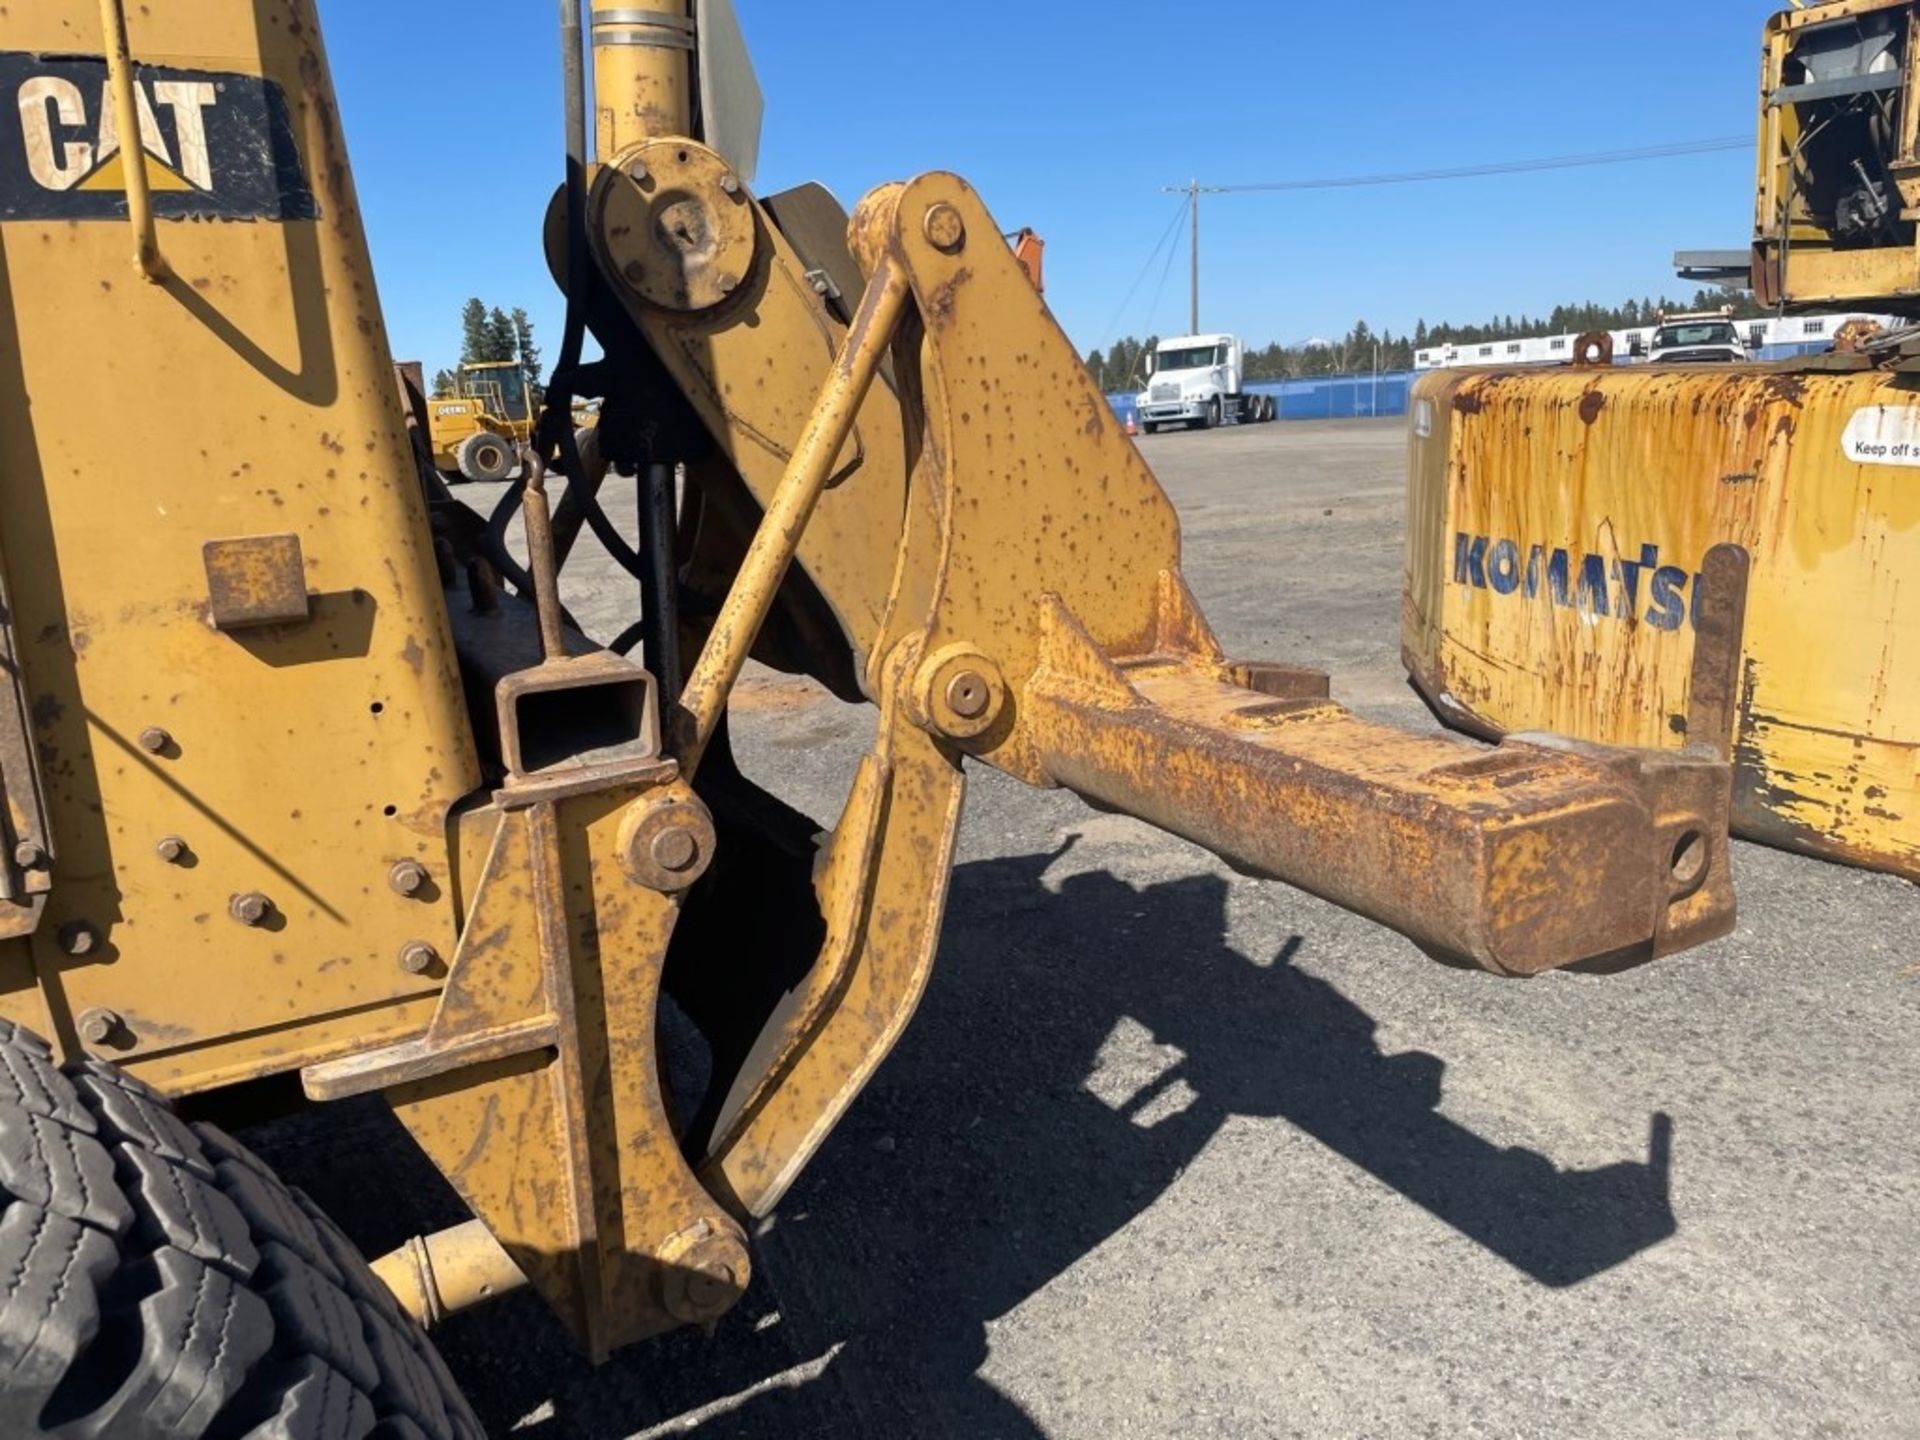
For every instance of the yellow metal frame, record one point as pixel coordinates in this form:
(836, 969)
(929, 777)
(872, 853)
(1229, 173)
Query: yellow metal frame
(1647, 468)
(312, 804)
(1797, 261)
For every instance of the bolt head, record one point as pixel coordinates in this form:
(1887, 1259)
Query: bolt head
(676, 849)
(407, 877)
(170, 848)
(77, 937)
(153, 739)
(417, 957)
(97, 1026)
(967, 695)
(944, 228)
(250, 908)
(730, 183)
(29, 856)
(666, 841)
(638, 170)
(634, 271)
(729, 284)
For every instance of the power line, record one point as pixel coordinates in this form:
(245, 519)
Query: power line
(1173, 226)
(1165, 271)
(1193, 189)
(1468, 172)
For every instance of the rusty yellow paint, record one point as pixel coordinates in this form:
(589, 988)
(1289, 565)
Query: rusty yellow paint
(1632, 465)
(881, 954)
(256, 580)
(433, 1276)
(272, 845)
(752, 367)
(254, 396)
(536, 1088)
(642, 71)
(1037, 580)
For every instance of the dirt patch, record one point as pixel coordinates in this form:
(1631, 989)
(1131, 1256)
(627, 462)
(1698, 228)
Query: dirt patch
(767, 691)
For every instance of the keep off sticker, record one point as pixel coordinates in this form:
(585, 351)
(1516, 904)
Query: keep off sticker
(215, 145)
(1883, 435)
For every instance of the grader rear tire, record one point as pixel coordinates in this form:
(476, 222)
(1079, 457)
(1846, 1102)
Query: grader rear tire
(163, 1284)
(486, 457)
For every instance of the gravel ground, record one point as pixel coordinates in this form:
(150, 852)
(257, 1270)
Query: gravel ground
(1171, 1152)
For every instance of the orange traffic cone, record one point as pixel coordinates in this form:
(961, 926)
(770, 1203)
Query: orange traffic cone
(1132, 429)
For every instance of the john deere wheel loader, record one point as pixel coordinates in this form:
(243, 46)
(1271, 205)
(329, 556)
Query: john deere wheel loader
(307, 772)
(477, 431)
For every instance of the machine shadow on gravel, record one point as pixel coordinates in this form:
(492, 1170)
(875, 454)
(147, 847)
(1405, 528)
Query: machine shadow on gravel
(1002, 1143)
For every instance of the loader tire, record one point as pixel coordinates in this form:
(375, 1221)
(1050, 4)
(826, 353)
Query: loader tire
(486, 457)
(160, 1283)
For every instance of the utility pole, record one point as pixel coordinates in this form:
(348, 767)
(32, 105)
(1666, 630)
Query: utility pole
(1192, 190)
(1193, 309)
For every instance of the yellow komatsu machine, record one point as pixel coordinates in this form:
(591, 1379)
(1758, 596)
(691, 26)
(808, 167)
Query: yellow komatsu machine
(306, 771)
(1561, 521)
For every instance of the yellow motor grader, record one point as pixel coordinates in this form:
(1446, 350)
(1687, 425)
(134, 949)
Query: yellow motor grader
(307, 772)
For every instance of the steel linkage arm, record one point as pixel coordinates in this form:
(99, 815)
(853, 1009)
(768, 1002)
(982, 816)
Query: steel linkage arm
(1004, 572)
(1041, 585)
(1520, 859)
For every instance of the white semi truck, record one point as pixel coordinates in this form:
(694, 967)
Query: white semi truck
(1195, 381)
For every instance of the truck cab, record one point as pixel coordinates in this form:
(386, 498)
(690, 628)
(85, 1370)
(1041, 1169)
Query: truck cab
(1192, 380)
(1707, 337)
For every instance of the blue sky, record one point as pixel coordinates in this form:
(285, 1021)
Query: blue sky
(1071, 115)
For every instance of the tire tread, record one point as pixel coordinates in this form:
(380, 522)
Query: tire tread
(158, 1282)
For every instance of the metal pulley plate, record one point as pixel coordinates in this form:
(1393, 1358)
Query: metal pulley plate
(674, 225)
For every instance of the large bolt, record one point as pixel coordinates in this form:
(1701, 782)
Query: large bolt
(407, 877)
(967, 694)
(251, 908)
(153, 739)
(705, 1269)
(170, 848)
(676, 849)
(97, 1026)
(729, 284)
(958, 693)
(634, 271)
(667, 841)
(29, 856)
(638, 170)
(417, 957)
(77, 937)
(944, 228)
(730, 183)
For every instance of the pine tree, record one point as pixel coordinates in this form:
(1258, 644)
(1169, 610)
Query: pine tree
(473, 332)
(526, 352)
(500, 336)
